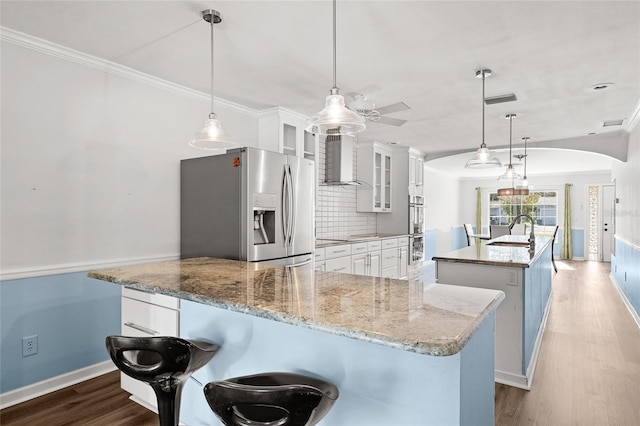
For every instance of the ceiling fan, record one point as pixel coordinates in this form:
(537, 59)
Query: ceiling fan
(368, 110)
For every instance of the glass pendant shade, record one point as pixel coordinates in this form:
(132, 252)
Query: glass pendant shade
(510, 174)
(336, 118)
(212, 136)
(483, 160)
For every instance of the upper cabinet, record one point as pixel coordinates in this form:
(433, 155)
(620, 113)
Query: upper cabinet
(416, 169)
(283, 131)
(375, 174)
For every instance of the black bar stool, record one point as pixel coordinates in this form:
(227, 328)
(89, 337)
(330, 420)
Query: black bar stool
(271, 399)
(164, 362)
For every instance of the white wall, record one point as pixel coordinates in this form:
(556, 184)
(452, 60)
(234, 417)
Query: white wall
(443, 206)
(627, 177)
(90, 161)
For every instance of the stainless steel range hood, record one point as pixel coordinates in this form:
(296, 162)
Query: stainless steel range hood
(339, 160)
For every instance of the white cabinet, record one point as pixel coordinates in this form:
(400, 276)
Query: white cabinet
(407, 181)
(146, 314)
(395, 258)
(283, 131)
(365, 258)
(416, 169)
(403, 258)
(388, 257)
(319, 259)
(374, 171)
(338, 258)
(339, 264)
(389, 261)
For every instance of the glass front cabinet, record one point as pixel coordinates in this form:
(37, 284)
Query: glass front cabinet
(374, 174)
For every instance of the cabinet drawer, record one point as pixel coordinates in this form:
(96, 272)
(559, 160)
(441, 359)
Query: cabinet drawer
(341, 264)
(337, 251)
(403, 241)
(319, 254)
(389, 258)
(144, 319)
(358, 248)
(389, 242)
(374, 245)
(155, 298)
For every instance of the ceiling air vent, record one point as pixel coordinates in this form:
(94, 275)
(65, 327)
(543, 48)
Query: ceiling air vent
(613, 123)
(500, 99)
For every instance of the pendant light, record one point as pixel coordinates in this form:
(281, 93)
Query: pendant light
(482, 159)
(335, 118)
(524, 183)
(212, 136)
(510, 173)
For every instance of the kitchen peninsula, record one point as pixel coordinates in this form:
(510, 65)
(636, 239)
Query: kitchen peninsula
(523, 272)
(400, 352)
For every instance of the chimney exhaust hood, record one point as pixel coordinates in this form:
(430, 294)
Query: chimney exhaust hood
(339, 160)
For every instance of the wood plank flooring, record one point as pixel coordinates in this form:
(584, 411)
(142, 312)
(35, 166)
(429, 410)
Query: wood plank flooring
(98, 401)
(588, 373)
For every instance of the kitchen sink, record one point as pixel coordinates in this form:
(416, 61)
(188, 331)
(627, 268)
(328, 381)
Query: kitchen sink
(509, 243)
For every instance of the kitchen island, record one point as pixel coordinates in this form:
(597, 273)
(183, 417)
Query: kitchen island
(523, 273)
(400, 352)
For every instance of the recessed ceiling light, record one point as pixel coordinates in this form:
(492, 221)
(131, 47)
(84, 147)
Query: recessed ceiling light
(601, 86)
(613, 123)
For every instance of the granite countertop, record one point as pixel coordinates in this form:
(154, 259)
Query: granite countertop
(332, 241)
(426, 318)
(499, 255)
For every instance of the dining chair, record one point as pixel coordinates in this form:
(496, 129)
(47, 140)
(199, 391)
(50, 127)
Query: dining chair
(498, 230)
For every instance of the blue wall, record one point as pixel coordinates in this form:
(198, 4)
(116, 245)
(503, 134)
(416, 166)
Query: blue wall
(70, 313)
(625, 268)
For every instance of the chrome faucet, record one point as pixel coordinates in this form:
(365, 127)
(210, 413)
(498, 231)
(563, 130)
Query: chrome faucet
(532, 237)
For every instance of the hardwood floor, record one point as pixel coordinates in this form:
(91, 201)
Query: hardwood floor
(588, 372)
(98, 401)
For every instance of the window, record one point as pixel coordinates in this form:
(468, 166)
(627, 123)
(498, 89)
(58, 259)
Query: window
(541, 206)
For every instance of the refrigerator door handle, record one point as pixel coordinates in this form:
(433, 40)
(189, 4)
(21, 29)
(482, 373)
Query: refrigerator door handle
(285, 216)
(292, 210)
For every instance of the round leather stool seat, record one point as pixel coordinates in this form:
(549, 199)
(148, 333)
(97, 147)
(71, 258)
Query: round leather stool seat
(164, 362)
(271, 399)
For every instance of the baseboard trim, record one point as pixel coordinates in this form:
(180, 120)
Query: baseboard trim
(53, 384)
(531, 369)
(626, 302)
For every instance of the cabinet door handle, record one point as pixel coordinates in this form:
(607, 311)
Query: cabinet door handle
(340, 269)
(141, 328)
(340, 251)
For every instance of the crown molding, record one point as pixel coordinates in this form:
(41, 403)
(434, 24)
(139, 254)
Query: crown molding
(43, 46)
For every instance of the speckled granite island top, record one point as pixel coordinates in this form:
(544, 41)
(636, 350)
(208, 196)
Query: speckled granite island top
(499, 255)
(425, 318)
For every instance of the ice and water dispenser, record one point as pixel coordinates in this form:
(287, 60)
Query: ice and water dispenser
(264, 218)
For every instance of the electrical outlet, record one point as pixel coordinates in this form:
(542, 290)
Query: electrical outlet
(29, 345)
(512, 278)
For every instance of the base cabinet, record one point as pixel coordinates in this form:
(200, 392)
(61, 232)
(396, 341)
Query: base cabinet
(144, 315)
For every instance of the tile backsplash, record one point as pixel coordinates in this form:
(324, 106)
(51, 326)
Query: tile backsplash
(336, 215)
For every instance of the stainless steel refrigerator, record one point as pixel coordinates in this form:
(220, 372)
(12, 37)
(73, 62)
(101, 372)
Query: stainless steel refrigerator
(248, 204)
